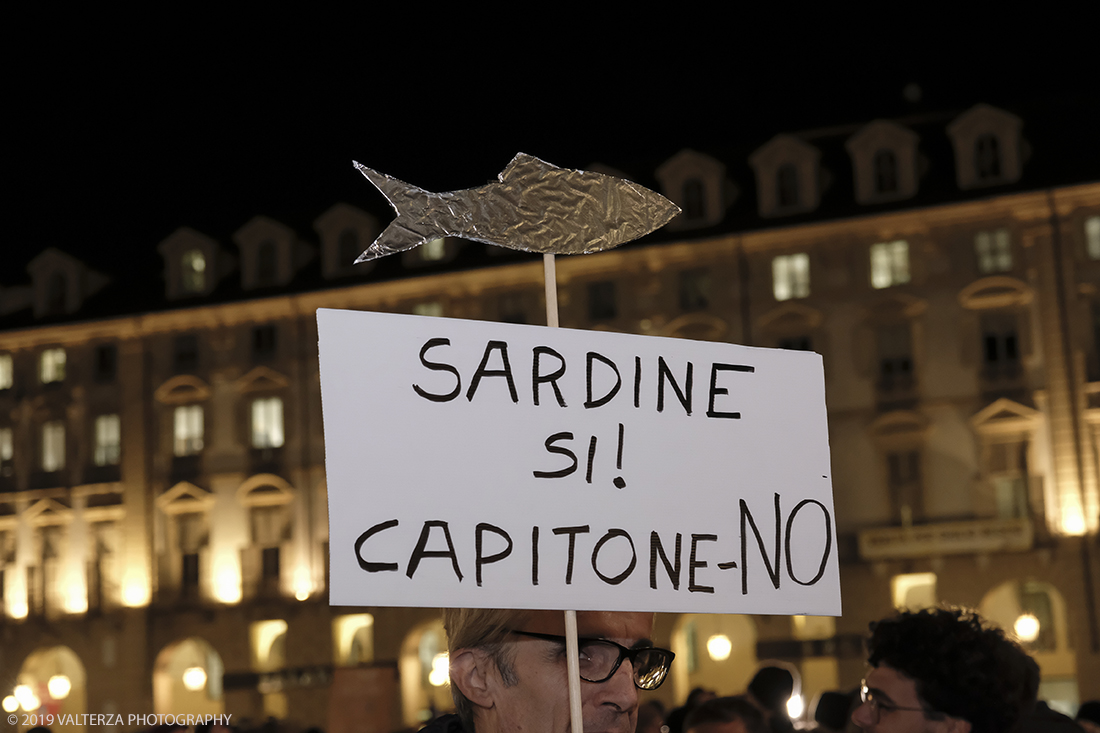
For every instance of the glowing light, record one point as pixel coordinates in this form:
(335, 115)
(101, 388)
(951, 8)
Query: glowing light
(227, 580)
(441, 670)
(1073, 521)
(795, 707)
(1027, 627)
(10, 704)
(26, 697)
(59, 686)
(76, 599)
(194, 678)
(17, 609)
(135, 590)
(264, 634)
(719, 647)
(302, 586)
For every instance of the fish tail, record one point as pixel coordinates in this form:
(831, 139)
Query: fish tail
(411, 228)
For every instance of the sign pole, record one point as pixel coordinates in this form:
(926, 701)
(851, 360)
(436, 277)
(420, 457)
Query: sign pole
(572, 653)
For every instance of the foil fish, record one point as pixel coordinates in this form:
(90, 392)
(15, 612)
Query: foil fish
(536, 207)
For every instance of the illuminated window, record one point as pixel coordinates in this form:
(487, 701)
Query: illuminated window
(193, 272)
(889, 263)
(53, 446)
(267, 423)
(7, 451)
(433, 309)
(187, 430)
(108, 440)
(6, 371)
(994, 251)
(791, 276)
(434, 250)
(51, 366)
(1092, 236)
(914, 591)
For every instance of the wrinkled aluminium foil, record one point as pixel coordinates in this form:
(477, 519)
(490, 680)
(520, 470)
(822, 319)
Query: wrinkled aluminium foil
(536, 207)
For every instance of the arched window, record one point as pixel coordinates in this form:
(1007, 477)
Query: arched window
(786, 180)
(266, 263)
(694, 206)
(987, 157)
(886, 172)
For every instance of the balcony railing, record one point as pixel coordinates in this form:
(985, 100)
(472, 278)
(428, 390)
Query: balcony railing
(948, 538)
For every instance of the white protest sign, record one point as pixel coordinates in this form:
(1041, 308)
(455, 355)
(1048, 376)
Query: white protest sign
(489, 465)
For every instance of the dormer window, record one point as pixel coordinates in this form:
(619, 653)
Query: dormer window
(345, 232)
(266, 263)
(987, 157)
(697, 184)
(884, 162)
(788, 172)
(988, 147)
(694, 206)
(886, 172)
(192, 272)
(786, 186)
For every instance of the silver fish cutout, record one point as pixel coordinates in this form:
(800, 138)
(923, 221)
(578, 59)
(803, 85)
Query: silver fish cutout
(536, 207)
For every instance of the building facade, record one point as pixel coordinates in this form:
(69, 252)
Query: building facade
(163, 517)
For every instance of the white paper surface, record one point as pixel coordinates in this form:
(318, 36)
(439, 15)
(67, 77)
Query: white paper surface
(431, 447)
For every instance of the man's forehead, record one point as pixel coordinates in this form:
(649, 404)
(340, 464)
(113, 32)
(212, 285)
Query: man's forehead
(622, 625)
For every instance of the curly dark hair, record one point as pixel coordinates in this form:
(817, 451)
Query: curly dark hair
(962, 666)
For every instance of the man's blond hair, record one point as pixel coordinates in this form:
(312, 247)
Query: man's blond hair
(485, 629)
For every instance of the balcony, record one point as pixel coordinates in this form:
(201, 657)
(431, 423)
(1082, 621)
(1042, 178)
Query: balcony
(949, 538)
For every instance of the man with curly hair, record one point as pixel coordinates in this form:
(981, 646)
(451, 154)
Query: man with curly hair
(944, 670)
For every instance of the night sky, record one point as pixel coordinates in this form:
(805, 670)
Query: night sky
(122, 128)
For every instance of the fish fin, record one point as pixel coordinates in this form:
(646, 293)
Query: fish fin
(404, 232)
(523, 165)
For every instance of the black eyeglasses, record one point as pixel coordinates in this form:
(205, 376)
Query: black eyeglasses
(867, 695)
(600, 659)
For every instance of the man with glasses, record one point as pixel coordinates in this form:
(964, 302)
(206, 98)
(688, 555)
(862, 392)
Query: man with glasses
(508, 670)
(944, 671)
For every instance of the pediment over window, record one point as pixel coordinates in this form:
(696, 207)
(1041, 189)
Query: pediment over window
(345, 233)
(884, 160)
(193, 263)
(60, 283)
(695, 182)
(271, 253)
(47, 512)
(185, 498)
(788, 176)
(997, 291)
(697, 326)
(790, 317)
(988, 147)
(261, 379)
(899, 428)
(265, 489)
(1005, 416)
(181, 390)
(893, 307)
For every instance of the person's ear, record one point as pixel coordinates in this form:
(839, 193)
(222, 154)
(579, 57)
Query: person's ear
(471, 671)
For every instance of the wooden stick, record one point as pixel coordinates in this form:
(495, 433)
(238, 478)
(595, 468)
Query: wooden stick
(572, 652)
